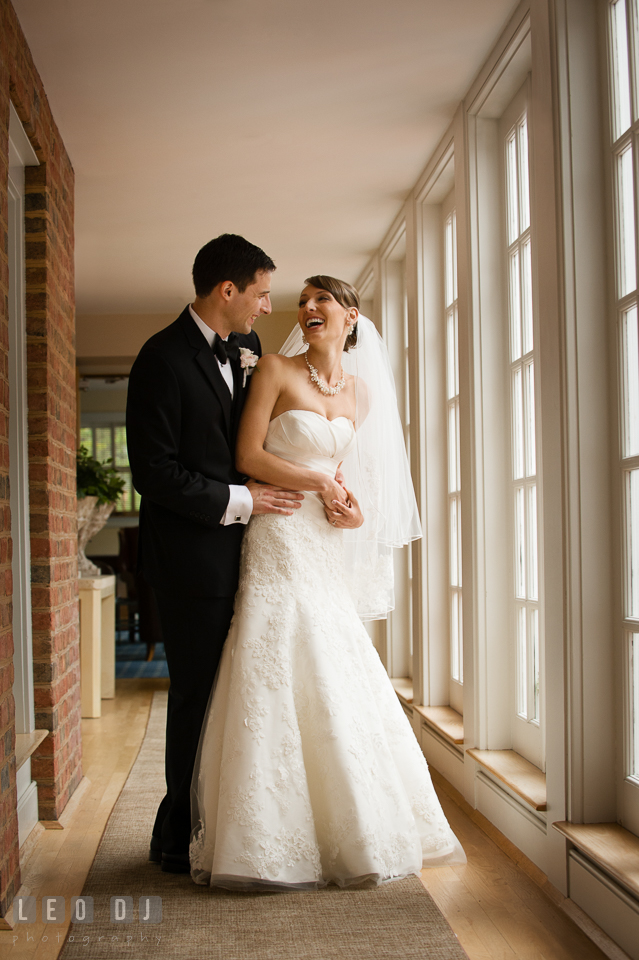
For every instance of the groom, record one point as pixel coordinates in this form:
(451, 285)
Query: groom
(186, 392)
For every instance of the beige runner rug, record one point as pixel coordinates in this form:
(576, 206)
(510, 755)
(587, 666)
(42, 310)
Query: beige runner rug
(396, 921)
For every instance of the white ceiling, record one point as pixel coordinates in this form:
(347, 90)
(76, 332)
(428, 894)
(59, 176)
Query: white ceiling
(301, 124)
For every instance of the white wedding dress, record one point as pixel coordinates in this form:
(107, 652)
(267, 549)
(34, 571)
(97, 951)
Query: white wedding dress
(308, 770)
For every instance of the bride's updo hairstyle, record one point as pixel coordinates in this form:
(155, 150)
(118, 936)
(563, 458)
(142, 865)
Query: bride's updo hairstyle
(346, 295)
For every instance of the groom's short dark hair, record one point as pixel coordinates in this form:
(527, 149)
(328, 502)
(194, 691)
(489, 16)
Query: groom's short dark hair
(228, 257)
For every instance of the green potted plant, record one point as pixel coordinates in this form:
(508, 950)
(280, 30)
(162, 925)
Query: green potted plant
(99, 486)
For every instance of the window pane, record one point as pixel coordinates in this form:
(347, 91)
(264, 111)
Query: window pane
(460, 636)
(515, 307)
(620, 67)
(121, 456)
(458, 444)
(522, 664)
(632, 547)
(451, 359)
(630, 352)
(454, 543)
(137, 499)
(125, 503)
(524, 179)
(459, 543)
(518, 425)
(456, 331)
(454, 636)
(103, 448)
(520, 545)
(452, 455)
(534, 651)
(634, 700)
(533, 578)
(626, 221)
(454, 253)
(529, 412)
(448, 255)
(526, 297)
(512, 192)
(86, 439)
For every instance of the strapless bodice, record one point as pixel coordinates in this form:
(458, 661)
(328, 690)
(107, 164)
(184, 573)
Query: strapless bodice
(310, 440)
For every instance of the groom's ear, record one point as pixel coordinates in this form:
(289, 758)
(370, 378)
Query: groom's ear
(226, 288)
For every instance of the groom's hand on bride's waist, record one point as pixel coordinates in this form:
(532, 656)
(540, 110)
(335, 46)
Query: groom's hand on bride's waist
(267, 499)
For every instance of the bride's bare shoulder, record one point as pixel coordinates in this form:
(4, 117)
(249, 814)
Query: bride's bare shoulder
(274, 365)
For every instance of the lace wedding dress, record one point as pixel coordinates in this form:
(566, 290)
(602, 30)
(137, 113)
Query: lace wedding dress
(308, 770)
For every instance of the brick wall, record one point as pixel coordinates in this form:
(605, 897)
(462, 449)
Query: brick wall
(51, 398)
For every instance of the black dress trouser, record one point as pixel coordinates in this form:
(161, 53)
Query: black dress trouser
(194, 630)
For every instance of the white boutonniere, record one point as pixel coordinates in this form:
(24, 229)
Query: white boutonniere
(248, 362)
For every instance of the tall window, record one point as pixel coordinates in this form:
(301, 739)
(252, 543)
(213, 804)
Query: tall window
(454, 473)
(526, 626)
(108, 442)
(399, 626)
(624, 132)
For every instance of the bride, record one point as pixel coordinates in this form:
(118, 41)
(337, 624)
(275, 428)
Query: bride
(308, 771)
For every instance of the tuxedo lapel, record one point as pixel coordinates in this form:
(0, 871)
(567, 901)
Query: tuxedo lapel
(238, 392)
(207, 361)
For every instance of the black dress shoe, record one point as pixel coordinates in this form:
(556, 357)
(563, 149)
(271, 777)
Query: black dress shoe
(155, 851)
(176, 863)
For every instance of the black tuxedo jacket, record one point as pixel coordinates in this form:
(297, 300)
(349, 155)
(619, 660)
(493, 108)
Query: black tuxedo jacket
(181, 432)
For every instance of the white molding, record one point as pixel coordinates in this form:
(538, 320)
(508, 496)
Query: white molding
(611, 907)
(27, 812)
(516, 822)
(583, 433)
(18, 442)
(495, 69)
(432, 185)
(21, 153)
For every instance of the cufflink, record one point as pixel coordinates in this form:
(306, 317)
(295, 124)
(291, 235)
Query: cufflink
(238, 520)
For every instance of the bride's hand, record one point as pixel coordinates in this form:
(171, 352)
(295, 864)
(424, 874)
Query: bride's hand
(331, 491)
(345, 516)
(339, 477)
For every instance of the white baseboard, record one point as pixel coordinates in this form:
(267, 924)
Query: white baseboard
(520, 824)
(27, 812)
(609, 905)
(443, 757)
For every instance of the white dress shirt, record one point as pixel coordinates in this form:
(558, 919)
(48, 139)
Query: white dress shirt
(240, 505)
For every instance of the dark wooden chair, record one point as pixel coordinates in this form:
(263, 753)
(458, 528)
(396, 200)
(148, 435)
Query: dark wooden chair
(139, 592)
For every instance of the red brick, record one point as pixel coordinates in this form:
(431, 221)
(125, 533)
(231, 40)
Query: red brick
(52, 425)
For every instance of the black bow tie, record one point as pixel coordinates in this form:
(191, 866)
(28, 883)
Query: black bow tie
(226, 349)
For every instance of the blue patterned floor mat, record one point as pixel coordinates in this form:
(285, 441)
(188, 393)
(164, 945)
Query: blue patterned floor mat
(131, 662)
(134, 669)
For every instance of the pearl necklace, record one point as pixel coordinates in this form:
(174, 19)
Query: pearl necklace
(322, 385)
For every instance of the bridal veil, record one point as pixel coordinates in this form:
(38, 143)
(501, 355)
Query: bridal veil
(377, 472)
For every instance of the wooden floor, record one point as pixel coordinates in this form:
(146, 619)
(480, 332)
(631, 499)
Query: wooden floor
(61, 859)
(496, 909)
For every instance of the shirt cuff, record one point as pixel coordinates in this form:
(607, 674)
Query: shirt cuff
(240, 506)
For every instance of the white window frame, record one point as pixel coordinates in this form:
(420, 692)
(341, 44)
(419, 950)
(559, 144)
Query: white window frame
(450, 319)
(398, 657)
(527, 705)
(21, 155)
(624, 138)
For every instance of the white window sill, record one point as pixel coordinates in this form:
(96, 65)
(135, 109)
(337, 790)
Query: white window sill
(523, 777)
(610, 846)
